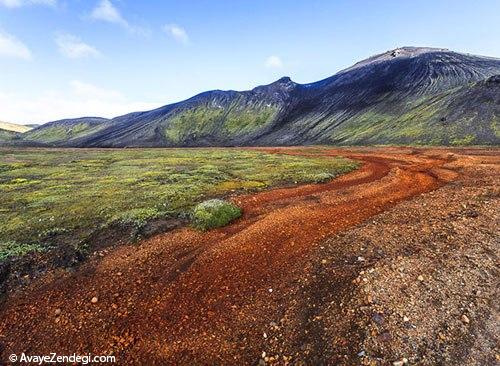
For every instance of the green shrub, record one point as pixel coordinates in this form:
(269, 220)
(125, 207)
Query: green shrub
(214, 213)
(13, 249)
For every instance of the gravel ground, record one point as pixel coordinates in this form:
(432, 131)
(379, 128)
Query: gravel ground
(417, 284)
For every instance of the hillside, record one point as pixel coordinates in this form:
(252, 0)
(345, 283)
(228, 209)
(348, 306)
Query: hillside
(14, 127)
(66, 130)
(6, 135)
(11, 131)
(405, 96)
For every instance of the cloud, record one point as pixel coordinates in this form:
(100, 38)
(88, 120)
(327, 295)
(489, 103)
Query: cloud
(72, 47)
(90, 91)
(76, 100)
(176, 32)
(106, 12)
(274, 62)
(10, 46)
(20, 3)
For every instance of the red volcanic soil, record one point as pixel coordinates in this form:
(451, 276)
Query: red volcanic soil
(272, 288)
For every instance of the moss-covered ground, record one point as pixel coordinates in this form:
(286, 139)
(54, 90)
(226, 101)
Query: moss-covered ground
(46, 193)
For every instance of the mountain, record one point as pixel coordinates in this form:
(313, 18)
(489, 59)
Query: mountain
(66, 131)
(14, 127)
(11, 131)
(409, 95)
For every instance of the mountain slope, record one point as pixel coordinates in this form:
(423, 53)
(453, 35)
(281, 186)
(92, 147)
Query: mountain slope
(66, 130)
(7, 126)
(405, 96)
(11, 131)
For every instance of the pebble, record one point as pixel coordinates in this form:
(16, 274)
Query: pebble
(361, 259)
(57, 312)
(270, 290)
(406, 319)
(420, 278)
(94, 300)
(398, 363)
(465, 319)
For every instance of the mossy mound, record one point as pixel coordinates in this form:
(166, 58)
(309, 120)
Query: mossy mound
(214, 213)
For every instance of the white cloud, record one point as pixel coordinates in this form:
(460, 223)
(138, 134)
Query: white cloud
(10, 46)
(89, 91)
(274, 62)
(72, 47)
(19, 3)
(106, 12)
(77, 100)
(176, 32)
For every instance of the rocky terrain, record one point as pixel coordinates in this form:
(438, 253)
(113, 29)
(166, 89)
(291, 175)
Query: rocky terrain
(395, 263)
(408, 95)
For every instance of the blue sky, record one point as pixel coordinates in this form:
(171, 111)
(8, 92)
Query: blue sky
(62, 58)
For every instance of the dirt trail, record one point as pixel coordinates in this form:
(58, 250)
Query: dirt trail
(187, 297)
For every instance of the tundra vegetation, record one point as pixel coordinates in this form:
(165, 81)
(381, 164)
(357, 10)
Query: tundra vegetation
(49, 194)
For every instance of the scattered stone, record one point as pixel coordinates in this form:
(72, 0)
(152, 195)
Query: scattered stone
(57, 312)
(378, 318)
(406, 319)
(384, 337)
(420, 278)
(94, 300)
(465, 319)
(362, 353)
(361, 259)
(398, 363)
(270, 290)
(324, 261)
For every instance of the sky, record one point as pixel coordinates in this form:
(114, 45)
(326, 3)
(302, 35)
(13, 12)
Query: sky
(63, 59)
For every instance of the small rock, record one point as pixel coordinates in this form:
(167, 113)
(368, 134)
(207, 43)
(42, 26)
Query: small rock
(270, 290)
(420, 278)
(406, 319)
(57, 312)
(94, 300)
(465, 319)
(323, 261)
(398, 363)
(378, 318)
(361, 259)
(361, 354)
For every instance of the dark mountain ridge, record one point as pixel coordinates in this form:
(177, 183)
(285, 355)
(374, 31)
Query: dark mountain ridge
(408, 95)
